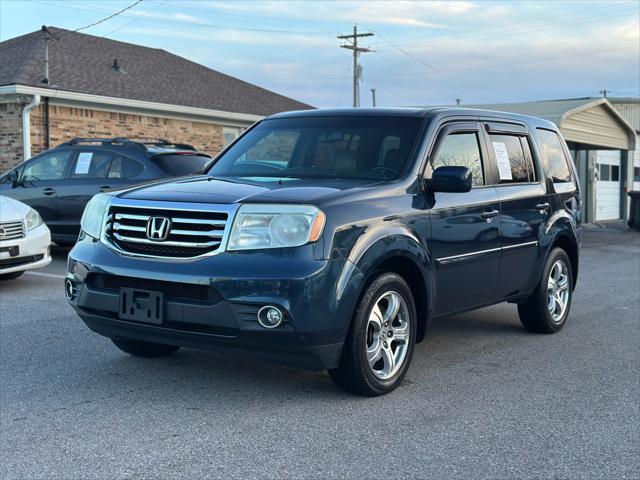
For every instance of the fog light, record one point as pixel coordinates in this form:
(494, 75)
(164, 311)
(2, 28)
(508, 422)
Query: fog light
(68, 289)
(270, 316)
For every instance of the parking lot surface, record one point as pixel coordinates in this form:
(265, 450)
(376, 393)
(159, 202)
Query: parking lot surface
(482, 399)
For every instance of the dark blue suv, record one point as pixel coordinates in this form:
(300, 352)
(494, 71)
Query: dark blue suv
(59, 182)
(327, 239)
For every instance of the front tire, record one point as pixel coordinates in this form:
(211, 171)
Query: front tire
(144, 349)
(379, 346)
(547, 309)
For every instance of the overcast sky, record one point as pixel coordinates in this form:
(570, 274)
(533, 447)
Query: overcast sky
(427, 53)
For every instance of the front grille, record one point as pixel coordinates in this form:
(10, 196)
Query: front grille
(11, 230)
(176, 290)
(190, 233)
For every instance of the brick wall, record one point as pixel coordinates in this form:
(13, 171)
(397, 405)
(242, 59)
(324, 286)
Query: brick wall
(68, 122)
(10, 135)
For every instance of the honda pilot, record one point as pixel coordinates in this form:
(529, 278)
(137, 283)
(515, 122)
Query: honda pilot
(328, 239)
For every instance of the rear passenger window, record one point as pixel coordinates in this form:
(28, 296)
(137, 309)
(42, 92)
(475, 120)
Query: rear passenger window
(461, 150)
(123, 167)
(555, 163)
(513, 157)
(92, 165)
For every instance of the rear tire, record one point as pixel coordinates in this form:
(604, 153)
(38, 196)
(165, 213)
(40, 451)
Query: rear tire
(11, 276)
(144, 349)
(379, 346)
(547, 309)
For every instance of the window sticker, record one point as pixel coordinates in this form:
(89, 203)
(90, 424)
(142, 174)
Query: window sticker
(83, 163)
(502, 157)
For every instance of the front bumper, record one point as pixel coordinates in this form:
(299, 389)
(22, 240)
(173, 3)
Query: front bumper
(33, 251)
(317, 304)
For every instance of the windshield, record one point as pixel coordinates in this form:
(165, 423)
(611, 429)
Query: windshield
(181, 164)
(374, 148)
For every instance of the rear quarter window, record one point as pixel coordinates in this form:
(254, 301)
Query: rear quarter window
(554, 161)
(178, 164)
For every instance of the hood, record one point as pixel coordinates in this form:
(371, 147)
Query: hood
(12, 210)
(204, 189)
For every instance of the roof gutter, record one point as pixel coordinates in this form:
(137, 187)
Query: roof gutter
(145, 107)
(26, 126)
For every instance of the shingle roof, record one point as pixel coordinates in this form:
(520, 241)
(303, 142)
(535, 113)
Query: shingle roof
(84, 63)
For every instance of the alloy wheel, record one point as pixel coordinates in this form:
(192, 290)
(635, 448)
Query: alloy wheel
(558, 290)
(388, 330)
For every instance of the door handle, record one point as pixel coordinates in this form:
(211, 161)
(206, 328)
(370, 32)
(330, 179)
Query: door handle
(49, 191)
(542, 206)
(104, 188)
(489, 214)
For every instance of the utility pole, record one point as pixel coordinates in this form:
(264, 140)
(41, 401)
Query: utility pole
(458, 100)
(357, 69)
(604, 92)
(373, 97)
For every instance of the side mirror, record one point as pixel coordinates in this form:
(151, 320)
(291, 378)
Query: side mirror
(451, 179)
(13, 177)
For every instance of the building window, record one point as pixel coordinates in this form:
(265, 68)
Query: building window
(230, 134)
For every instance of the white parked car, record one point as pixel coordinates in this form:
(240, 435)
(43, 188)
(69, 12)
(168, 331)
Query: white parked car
(24, 239)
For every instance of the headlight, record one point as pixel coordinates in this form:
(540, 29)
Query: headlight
(275, 226)
(33, 219)
(93, 216)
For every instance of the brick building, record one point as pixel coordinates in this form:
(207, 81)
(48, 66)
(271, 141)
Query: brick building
(97, 87)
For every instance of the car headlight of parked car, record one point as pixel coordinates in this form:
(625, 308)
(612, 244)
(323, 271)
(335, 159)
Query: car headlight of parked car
(33, 220)
(93, 216)
(258, 226)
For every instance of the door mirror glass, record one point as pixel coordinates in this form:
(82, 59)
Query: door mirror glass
(451, 179)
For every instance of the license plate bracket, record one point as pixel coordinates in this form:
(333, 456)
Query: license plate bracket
(141, 305)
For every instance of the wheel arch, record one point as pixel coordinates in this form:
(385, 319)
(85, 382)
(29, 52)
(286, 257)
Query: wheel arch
(403, 255)
(570, 246)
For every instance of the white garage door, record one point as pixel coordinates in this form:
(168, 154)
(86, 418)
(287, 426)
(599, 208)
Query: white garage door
(608, 185)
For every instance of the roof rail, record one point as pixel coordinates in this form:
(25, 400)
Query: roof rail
(155, 142)
(77, 140)
(137, 142)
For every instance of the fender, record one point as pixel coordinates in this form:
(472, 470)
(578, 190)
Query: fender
(375, 246)
(561, 225)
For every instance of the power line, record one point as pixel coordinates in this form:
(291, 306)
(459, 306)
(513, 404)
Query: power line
(217, 27)
(502, 32)
(357, 69)
(143, 14)
(469, 86)
(114, 14)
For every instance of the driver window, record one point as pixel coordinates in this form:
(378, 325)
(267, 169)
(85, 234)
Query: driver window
(51, 166)
(463, 150)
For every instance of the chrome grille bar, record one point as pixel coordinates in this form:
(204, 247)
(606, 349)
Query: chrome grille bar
(168, 243)
(12, 230)
(195, 230)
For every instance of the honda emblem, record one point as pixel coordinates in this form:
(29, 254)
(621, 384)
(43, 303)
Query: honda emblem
(158, 228)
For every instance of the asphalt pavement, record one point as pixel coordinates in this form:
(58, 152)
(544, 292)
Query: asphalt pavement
(483, 398)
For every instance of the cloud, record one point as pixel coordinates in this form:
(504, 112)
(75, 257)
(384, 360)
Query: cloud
(400, 12)
(239, 37)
